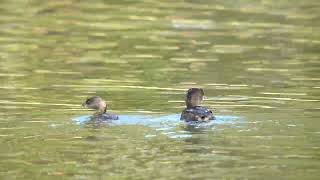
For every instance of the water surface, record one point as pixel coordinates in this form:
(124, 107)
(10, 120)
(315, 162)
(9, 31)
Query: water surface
(258, 61)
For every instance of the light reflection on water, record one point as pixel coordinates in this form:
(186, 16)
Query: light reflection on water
(165, 124)
(258, 62)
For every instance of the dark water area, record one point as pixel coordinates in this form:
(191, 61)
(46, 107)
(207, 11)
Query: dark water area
(258, 62)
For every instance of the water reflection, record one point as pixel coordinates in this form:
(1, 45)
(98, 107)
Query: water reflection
(257, 60)
(169, 125)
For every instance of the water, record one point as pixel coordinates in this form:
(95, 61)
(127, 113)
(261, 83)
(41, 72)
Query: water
(164, 124)
(258, 62)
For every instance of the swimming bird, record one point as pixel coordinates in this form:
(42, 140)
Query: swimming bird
(194, 111)
(100, 105)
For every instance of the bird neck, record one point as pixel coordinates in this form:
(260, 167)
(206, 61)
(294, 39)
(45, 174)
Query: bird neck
(189, 104)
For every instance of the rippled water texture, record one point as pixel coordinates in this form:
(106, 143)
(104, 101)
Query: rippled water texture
(258, 61)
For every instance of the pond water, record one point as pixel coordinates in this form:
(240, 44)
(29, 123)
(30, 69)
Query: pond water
(258, 62)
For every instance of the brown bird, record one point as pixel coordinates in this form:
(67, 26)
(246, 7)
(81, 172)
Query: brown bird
(100, 105)
(194, 110)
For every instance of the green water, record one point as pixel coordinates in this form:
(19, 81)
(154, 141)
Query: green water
(258, 61)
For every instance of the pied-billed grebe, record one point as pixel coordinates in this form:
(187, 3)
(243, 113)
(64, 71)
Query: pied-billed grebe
(98, 104)
(195, 112)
